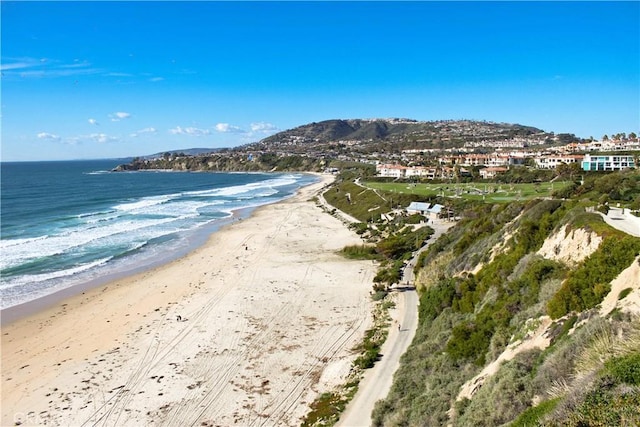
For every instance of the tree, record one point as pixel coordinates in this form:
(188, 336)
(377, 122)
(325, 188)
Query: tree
(605, 137)
(568, 170)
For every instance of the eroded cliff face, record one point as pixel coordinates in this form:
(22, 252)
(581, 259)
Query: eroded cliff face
(570, 246)
(625, 292)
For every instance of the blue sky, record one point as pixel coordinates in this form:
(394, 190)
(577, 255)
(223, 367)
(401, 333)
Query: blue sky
(115, 79)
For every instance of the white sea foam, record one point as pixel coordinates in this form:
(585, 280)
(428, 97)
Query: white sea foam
(145, 202)
(67, 241)
(35, 278)
(89, 214)
(20, 289)
(8, 243)
(87, 245)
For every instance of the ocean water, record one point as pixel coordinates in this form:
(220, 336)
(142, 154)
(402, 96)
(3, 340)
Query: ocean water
(71, 223)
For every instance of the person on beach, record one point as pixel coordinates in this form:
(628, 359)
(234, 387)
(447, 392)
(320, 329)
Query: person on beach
(179, 318)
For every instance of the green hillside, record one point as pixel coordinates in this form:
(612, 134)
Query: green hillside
(488, 286)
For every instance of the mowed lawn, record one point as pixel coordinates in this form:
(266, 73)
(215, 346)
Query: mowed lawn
(489, 192)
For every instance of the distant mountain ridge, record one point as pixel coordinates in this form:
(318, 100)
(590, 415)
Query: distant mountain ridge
(185, 152)
(316, 143)
(397, 130)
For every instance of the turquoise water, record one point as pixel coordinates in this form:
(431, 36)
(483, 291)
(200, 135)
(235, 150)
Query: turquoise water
(66, 223)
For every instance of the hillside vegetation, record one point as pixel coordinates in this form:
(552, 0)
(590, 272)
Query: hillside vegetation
(510, 333)
(397, 134)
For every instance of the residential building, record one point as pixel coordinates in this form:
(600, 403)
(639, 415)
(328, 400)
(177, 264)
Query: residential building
(421, 172)
(418, 208)
(553, 161)
(391, 171)
(430, 211)
(602, 162)
(488, 173)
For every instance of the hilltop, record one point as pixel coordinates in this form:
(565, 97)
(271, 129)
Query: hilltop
(397, 134)
(313, 146)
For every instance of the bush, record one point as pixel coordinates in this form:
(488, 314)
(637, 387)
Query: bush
(623, 293)
(625, 369)
(586, 286)
(606, 406)
(326, 410)
(533, 416)
(435, 299)
(370, 349)
(470, 341)
(361, 252)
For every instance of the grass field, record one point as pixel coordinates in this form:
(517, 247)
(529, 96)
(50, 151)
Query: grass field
(495, 193)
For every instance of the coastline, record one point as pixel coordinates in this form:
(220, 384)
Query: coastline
(20, 311)
(271, 316)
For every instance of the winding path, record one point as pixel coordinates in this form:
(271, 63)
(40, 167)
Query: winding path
(377, 381)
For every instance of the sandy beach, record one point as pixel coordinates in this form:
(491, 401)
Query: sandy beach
(269, 314)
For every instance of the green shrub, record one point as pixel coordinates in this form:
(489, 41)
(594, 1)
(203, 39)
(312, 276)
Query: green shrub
(370, 349)
(533, 416)
(362, 252)
(625, 369)
(379, 295)
(588, 284)
(606, 406)
(390, 273)
(435, 299)
(414, 219)
(623, 293)
(325, 410)
(470, 340)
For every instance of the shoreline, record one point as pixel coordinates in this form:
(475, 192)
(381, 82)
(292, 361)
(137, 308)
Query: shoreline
(270, 314)
(26, 309)
(194, 240)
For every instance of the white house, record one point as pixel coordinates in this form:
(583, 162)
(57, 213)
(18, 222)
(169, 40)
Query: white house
(418, 208)
(487, 173)
(434, 211)
(421, 171)
(425, 209)
(391, 171)
(553, 161)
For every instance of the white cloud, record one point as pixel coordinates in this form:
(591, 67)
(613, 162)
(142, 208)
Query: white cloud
(119, 115)
(264, 127)
(101, 138)
(48, 136)
(143, 132)
(42, 67)
(191, 131)
(156, 79)
(76, 64)
(14, 66)
(93, 122)
(227, 128)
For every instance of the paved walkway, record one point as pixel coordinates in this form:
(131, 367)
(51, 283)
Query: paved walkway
(378, 380)
(623, 221)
